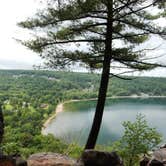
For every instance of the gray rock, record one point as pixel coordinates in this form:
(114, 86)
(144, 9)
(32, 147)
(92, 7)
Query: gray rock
(19, 160)
(7, 161)
(99, 158)
(144, 161)
(158, 157)
(155, 162)
(163, 146)
(50, 159)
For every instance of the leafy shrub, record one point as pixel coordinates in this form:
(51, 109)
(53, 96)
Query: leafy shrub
(138, 139)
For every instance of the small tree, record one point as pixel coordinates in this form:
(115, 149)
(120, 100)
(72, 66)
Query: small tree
(138, 139)
(99, 25)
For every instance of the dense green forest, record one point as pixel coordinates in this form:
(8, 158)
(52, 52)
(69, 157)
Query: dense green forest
(29, 97)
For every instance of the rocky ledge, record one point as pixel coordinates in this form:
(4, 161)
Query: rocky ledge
(158, 158)
(89, 158)
(50, 159)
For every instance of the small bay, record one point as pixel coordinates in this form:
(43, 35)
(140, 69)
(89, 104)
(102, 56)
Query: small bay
(73, 124)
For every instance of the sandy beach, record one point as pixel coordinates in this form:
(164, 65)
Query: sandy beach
(58, 109)
(60, 106)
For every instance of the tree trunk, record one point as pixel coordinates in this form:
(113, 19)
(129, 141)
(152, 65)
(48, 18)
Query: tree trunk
(1, 124)
(103, 83)
(131, 162)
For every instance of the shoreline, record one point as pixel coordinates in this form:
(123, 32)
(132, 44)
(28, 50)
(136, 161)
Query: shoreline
(59, 107)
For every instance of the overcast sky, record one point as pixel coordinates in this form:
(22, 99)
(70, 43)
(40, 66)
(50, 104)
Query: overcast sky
(12, 54)
(15, 56)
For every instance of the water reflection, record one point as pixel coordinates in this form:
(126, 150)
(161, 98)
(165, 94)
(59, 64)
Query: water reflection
(74, 123)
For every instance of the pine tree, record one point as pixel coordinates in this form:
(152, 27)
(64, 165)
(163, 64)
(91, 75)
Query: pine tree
(97, 24)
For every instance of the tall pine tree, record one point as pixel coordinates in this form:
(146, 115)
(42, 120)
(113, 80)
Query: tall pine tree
(65, 27)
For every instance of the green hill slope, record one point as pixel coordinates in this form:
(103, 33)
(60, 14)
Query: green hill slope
(29, 97)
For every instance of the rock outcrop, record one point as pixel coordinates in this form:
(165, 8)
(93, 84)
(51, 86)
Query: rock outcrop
(19, 161)
(155, 162)
(158, 157)
(50, 159)
(144, 161)
(14, 160)
(89, 158)
(6, 161)
(99, 158)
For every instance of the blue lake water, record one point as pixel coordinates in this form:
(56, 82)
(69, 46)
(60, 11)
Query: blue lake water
(73, 124)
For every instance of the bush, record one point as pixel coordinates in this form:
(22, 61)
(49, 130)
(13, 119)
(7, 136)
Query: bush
(74, 150)
(138, 139)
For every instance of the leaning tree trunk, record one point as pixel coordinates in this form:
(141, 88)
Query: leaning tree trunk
(1, 124)
(103, 83)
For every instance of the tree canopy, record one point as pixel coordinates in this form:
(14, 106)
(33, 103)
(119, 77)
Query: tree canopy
(97, 25)
(85, 23)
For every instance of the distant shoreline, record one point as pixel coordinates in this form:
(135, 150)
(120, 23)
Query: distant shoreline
(59, 107)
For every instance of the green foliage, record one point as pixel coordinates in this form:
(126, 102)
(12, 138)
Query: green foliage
(11, 148)
(88, 22)
(49, 143)
(138, 139)
(30, 97)
(74, 150)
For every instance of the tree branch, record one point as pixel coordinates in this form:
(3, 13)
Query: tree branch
(84, 27)
(38, 23)
(140, 62)
(124, 6)
(147, 49)
(131, 12)
(121, 36)
(41, 45)
(154, 31)
(121, 77)
(150, 58)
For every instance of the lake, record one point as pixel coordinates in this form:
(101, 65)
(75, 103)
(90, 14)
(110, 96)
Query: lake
(73, 124)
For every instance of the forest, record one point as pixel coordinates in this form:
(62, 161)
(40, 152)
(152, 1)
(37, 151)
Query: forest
(29, 97)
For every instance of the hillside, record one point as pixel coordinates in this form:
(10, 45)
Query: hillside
(49, 86)
(29, 97)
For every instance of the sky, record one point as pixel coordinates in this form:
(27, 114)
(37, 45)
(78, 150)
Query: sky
(13, 55)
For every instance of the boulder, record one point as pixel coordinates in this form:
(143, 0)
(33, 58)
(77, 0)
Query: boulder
(50, 159)
(144, 161)
(163, 146)
(7, 161)
(19, 160)
(99, 158)
(158, 157)
(155, 162)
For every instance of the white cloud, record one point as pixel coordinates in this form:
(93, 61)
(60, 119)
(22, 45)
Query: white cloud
(13, 55)
(14, 64)
(12, 12)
